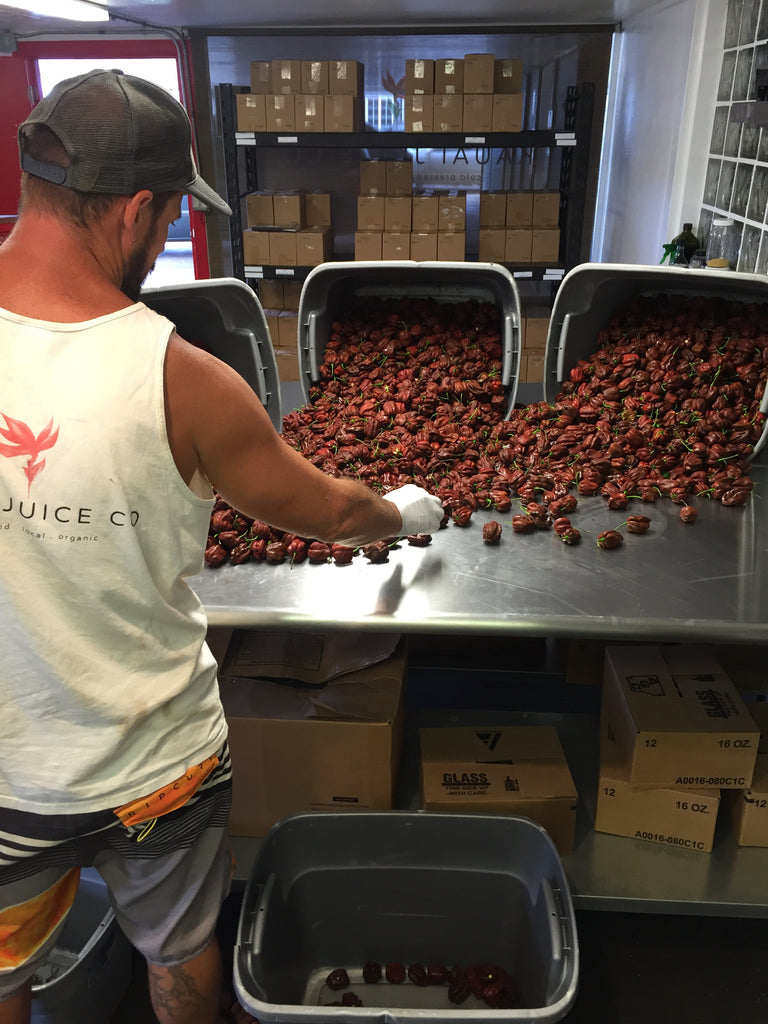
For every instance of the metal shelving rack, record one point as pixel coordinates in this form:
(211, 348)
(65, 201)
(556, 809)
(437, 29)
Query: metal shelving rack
(241, 177)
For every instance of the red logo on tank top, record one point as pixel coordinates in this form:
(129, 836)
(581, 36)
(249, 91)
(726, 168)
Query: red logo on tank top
(25, 443)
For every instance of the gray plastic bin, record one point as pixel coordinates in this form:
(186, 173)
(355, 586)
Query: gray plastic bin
(592, 292)
(86, 974)
(335, 890)
(329, 288)
(226, 317)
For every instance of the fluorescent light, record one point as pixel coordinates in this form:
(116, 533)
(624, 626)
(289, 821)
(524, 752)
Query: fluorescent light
(70, 10)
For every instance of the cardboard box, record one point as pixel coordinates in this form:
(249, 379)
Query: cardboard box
(449, 76)
(448, 112)
(313, 247)
(507, 113)
(370, 213)
(288, 331)
(508, 75)
(677, 718)
(280, 113)
(282, 248)
(451, 210)
(373, 177)
(292, 294)
(399, 177)
(286, 77)
(317, 209)
(346, 78)
(273, 327)
(331, 749)
(546, 209)
(491, 245)
(477, 115)
(519, 770)
(478, 72)
(748, 808)
(670, 815)
(342, 113)
(368, 245)
(517, 248)
(451, 246)
(418, 113)
(536, 330)
(308, 659)
(493, 209)
(545, 245)
(259, 209)
(256, 248)
(396, 245)
(419, 77)
(397, 213)
(519, 209)
(310, 113)
(423, 245)
(425, 211)
(288, 209)
(314, 77)
(261, 76)
(251, 112)
(287, 363)
(532, 367)
(271, 294)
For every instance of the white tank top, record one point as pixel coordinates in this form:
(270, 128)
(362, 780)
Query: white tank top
(107, 687)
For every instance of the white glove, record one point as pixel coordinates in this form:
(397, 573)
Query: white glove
(420, 511)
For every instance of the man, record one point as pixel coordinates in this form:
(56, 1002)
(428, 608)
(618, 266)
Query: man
(112, 428)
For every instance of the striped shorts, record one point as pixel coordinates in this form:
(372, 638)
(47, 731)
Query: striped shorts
(167, 872)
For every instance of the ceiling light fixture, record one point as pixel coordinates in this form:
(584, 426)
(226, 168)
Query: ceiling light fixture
(70, 10)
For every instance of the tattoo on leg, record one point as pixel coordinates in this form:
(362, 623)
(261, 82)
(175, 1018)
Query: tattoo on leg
(175, 991)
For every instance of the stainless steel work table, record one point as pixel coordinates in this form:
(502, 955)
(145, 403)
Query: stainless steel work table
(706, 583)
(702, 582)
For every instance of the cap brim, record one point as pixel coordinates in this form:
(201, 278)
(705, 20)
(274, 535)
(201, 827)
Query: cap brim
(200, 190)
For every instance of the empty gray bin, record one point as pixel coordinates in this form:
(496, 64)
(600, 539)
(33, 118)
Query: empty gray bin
(335, 890)
(86, 974)
(329, 288)
(226, 318)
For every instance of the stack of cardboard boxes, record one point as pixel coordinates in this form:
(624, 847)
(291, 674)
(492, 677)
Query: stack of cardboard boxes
(303, 96)
(476, 93)
(396, 223)
(287, 229)
(535, 327)
(280, 301)
(674, 734)
(519, 227)
(315, 723)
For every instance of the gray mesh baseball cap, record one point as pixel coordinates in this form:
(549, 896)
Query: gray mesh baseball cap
(121, 134)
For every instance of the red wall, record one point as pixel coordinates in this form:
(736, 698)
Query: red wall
(15, 107)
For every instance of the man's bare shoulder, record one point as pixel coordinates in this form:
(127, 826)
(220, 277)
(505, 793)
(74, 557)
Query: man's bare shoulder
(192, 373)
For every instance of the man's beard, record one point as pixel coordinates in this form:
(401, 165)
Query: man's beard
(135, 274)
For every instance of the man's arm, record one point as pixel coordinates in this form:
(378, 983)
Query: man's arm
(218, 425)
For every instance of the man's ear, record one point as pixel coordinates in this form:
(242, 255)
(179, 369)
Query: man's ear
(136, 208)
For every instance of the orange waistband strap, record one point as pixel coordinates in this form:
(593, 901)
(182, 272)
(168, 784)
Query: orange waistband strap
(26, 926)
(169, 797)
